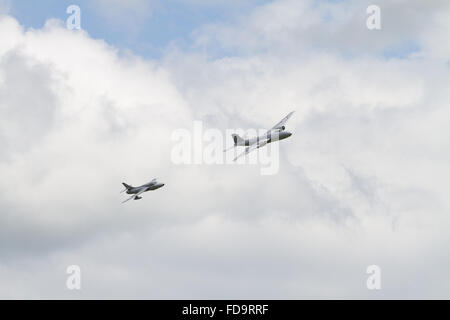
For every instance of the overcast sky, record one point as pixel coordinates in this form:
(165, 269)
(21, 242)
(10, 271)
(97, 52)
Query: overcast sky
(364, 179)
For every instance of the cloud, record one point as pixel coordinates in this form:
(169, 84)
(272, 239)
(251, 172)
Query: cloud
(292, 28)
(362, 181)
(22, 76)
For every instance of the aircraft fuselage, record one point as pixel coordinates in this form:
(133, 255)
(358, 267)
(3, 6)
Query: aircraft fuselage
(150, 186)
(274, 135)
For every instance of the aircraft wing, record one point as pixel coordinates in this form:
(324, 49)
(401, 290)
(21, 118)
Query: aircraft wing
(134, 196)
(252, 147)
(283, 121)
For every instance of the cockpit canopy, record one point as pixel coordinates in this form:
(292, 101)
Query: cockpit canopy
(280, 128)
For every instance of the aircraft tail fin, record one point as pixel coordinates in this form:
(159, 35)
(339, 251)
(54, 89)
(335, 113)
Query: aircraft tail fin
(237, 139)
(127, 187)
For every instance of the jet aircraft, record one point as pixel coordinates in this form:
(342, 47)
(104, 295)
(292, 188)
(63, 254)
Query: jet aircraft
(136, 191)
(276, 133)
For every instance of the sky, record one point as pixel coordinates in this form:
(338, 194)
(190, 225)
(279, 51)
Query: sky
(145, 27)
(362, 181)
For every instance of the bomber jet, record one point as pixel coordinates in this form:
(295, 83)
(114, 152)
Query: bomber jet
(136, 191)
(276, 133)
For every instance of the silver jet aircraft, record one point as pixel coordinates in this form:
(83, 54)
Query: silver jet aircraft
(136, 191)
(276, 133)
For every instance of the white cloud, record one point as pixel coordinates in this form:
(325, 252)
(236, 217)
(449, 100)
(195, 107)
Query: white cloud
(362, 181)
(291, 28)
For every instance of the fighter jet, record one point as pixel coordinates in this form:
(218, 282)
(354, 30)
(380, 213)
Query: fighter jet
(276, 133)
(136, 191)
